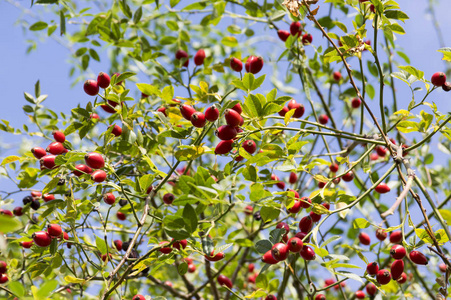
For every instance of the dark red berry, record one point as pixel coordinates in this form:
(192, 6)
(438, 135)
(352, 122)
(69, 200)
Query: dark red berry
(162, 110)
(364, 238)
(199, 57)
(279, 251)
(283, 112)
(118, 245)
(59, 136)
(18, 211)
(283, 34)
(212, 113)
(226, 132)
(306, 202)
(383, 277)
(438, 79)
(94, 160)
(198, 119)
(397, 268)
(103, 80)
(446, 86)
(42, 238)
(307, 253)
(360, 295)
(236, 64)
(187, 111)
(381, 151)
(215, 257)
(295, 208)
(249, 146)
(237, 108)
(284, 226)
(223, 280)
(54, 230)
(281, 185)
(295, 244)
(418, 257)
(191, 268)
(3, 267)
(165, 250)
(402, 279)
(320, 297)
(55, 148)
(323, 119)
(109, 198)
(180, 244)
(293, 178)
(224, 147)
(333, 168)
(121, 216)
(302, 235)
(307, 38)
(306, 224)
(382, 188)
(91, 87)
(296, 28)
(80, 169)
(168, 198)
(3, 278)
(232, 117)
(94, 116)
(371, 289)
(254, 64)
(267, 258)
(298, 107)
(38, 152)
(396, 237)
(337, 76)
(355, 102)
(117, 130)
(98, 176)
(372, 268)
(398, 252)
(381, 234)
(26, 244)
(180, 54)
(271, 297)
(348, 176)
(315, 217)
(48, 161)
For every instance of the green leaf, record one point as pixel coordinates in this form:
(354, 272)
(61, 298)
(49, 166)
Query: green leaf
(407, 126)
(173, 3)
(72, 279)
(148, 89)
(396, 14)
(190, 218)
(229, 41)
(446, 53)
(62, 23)
(261, 281)
(124, 76)
(100, 244)
(182, 268)
(413, 71)
(38, 26)
(370, 91)
(263, 246)
(46, 288)
(361, 223)
(138, 14)
(17, 288)
(269, 213)
(275, 235)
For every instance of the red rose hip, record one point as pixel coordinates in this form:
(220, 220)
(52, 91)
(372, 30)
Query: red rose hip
(199, 57)
(438, 79)
(103, 80)
(91, 87)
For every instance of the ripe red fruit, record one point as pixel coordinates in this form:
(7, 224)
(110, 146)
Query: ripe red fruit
(237, 107)
(249, 146)
(267, 258)
(3, 267)
(191, 268)
(271, 297)
(293, 178)
(446, 86)
(306, 224)
(94, 160)
(397, 268)
(117, 130)
(402, 279)
(118, 244)
(279, 251)
(315, 217)
(91, 87)
(382, 188)
(165, 250)
(396, 237)
(18, 211)
(42, 238)
(80, 169)
(226, 132)
(26, 244)
(212, 113)
(98, 176)
(323, 119)
(254, 64)
(372, 268)
(7, 212)
(307, 253)
(348, 176)
(103, 80)
(198, 119)
(355, 102)
(284, 226)
(371, 289)
(442, 267)
(138, 297)
(320, 297)
(232, 117)
(109, 198)
(381, 151)
(438, 79)
(38, 152)
(48, 161)
(306, 202)
(182, 54)
(3, 278)
(248, 210)
(214, 257)
(283, 112)
(333, 167)
(55, 148)
(364, 238)
(326, 205)
(94, 116)
(162, 110)
(110, 107)
(418, 257)
(302, 235)
(168, 198)
(199, 57)
(360, 295)
(187, 111)
(298, 107)
(381, 234)
(383, 277)
(374, 156)
(398, 252)
(121, 216)
(54, 230)
(224, 147)
(295, 244)
(223, 280)
(281, 185)
(296, 207)
(236, 64)
(296, 28)
(59, 136)
(181, 243)
(307, 38)
(337, 76)
(283, 34)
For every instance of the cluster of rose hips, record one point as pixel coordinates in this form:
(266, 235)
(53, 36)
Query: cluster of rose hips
(44, 238)
(91, 87)
(254, 64)
(198, 58)
(3, 269)
(295, 30)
